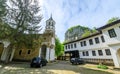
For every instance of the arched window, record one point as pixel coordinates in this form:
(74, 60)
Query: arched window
(49, 23)
(29, 51)
(20, 52)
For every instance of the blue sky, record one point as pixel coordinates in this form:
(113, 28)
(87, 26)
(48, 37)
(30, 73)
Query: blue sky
(68, 13)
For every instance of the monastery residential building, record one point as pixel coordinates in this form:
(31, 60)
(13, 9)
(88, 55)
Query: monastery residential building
(101, 47)
(45, 50)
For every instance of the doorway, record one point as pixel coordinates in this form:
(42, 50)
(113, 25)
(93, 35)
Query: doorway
(43, 51)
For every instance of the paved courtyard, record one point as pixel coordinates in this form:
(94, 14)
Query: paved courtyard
(60, 67)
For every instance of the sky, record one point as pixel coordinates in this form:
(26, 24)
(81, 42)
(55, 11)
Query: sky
(68, 13)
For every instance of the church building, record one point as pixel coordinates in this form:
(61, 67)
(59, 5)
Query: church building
(45, 50)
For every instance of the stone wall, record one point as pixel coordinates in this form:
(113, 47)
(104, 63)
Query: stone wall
(25, 54)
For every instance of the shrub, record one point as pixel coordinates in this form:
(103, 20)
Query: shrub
(102, 67)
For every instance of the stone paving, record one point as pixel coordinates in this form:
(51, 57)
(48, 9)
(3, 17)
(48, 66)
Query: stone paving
(60, 67)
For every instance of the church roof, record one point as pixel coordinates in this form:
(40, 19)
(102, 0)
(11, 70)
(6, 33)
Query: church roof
(50, 18)
(109, 25)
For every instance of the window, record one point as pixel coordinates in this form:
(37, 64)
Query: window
(29, 51)
(44, 38)
(93, 53)
(83, 53)
(102, 38)
(91, 42)
(107, 51)
(87, 54)
(84, 43)
(49, 23)
(20, 52)
(81, 43)
(66, 47)
(75, 45)
(112, 33)
(71, 45)
(97, 40)
(100, 52)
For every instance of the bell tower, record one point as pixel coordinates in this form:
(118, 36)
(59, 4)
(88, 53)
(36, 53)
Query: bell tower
(50, 25)
(47, 49)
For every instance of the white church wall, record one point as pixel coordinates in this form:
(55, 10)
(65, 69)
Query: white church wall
(39, 52)
(47, 54)
(52, 55)
(53, 41)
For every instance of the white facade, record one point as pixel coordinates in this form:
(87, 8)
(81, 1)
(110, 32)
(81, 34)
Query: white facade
(95, 47)
(48, 45)
(100, 51)
(113, 43)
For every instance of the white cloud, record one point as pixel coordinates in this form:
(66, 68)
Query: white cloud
(67, 13)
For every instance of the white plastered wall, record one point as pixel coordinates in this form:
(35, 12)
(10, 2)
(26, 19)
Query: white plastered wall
(116, 60)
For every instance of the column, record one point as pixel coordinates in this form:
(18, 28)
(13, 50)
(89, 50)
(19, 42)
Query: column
(52, 54)
(3, 56)
(12, 54)
(5, 51)
(47, 54)
(39, 52)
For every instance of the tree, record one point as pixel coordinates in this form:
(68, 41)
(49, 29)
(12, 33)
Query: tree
(94, 30)
(2, 9)
(59, 48)
(2, 14)
(21, 21)
(113, 19)
(87, 33)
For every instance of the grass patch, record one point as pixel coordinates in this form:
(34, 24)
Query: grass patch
(102, 66)
(92, 71)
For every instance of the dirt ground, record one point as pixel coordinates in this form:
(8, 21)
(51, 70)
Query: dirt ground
(59, 67)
